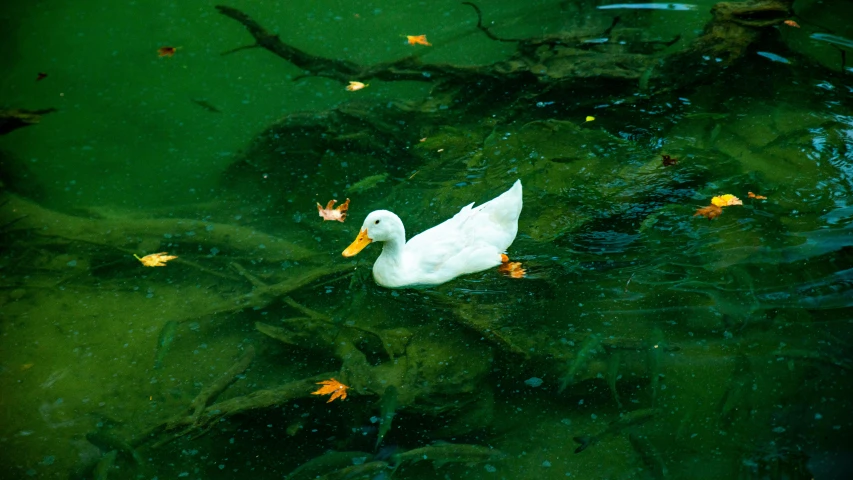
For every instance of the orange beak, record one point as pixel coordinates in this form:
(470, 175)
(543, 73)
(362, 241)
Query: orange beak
(361, 241)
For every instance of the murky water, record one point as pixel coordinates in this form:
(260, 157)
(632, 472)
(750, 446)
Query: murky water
(644, 341)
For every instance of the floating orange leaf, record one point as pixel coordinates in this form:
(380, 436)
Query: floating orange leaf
(667, 160)
(757, 197)
(418, 40)
(155, 259)
(338, 213)
(332, 387)
(791, 23)
(710, 212)
(166, 51)
(354, 86)
(512, 269)
(726, 201)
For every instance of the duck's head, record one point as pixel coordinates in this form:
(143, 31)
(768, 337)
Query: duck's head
(379, 226)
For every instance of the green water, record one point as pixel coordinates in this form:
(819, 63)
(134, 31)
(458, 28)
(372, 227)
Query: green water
(685, 347)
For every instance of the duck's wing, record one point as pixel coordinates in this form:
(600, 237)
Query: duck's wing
(478, 234)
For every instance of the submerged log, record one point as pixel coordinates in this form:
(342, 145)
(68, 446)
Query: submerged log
(18, 118)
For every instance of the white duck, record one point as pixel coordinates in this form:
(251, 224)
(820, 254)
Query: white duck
(473, 240)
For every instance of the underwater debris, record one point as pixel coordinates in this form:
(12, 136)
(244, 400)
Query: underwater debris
(367, 183)
(442, 453)
(681, 7)
(629, 419)
(205, 105)
(167, 336)
(613, 363)
(107, 442)
(649, 454)
(105, 465)
(328, 462)
(774, 57)
(589, 349)
(835, 39)
(654, 358)
(387, 411)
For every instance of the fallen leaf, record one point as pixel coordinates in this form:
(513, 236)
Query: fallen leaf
(26, 367)
(710, 212)
(667, 160)
(418, 40)
(791, 23)
(155, 259)
(338, 213)
(726, 201)
(757, 197)
(512, 269)
(41, 76)
(166, 51)
(590, 118)
(333, 387)
(354, 86)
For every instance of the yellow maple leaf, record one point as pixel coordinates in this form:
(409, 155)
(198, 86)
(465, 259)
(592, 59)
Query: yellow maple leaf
(726, 201)
(333, 387)
(155, 259)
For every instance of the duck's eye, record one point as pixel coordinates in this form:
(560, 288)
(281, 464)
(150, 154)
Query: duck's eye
(376, 222)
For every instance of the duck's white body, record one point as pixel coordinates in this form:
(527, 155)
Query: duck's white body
(472, 241)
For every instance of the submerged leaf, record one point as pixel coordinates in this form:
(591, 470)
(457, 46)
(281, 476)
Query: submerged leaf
(338, 213)
(332, 387)
(667, 160)
(710, 212)
(726, 201)
(166, 51)
(155, 259)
